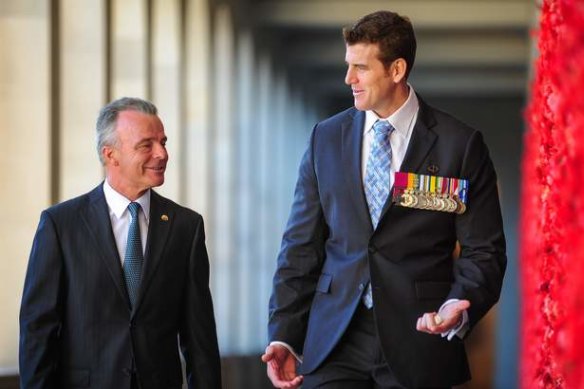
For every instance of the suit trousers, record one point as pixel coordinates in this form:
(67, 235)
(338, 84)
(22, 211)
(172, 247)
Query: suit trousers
(357, 362)
(134, 382)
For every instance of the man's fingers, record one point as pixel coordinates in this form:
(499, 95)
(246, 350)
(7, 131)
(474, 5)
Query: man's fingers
(282, 379)
(423, 323)
(268, 354)
(293, 384)
(275, 352)
(274, 374)
(449, 316)
(428, 323)
(281, 372)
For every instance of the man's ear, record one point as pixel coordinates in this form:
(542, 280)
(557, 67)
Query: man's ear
(109, 156)
(397, 70)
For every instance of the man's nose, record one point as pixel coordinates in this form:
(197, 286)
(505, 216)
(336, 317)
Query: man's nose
(350, 77)
(160, 151)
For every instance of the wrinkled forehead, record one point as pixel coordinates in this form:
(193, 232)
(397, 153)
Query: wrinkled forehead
(139, 124)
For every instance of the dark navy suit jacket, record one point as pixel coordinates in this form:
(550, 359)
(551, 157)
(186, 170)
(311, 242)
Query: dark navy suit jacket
(330, 251)
(77, 329)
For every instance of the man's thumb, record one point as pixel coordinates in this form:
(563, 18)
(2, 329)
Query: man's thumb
(462, 305)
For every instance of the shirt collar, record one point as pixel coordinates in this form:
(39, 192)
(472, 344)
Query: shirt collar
(118, 203)
(401, 119)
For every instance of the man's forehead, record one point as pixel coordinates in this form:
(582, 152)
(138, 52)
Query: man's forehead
(362, 51)
(139, 122)
(131, 117)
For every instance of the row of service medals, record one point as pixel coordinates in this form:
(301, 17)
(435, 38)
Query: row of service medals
(430, 192)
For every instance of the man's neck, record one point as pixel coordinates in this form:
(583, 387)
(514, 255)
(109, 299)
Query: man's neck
(130, 193)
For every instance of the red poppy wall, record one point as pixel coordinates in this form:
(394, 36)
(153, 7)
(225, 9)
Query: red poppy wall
(552, 217)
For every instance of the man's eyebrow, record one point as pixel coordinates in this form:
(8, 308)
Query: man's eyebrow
(152, 139)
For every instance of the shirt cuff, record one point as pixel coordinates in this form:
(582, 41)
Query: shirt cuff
(461, 329)
(289, 348)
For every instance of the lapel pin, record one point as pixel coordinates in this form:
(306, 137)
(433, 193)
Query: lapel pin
(433, 169)
(164, 218)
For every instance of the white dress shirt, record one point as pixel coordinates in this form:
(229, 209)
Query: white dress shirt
(120, 217)
(403, 120)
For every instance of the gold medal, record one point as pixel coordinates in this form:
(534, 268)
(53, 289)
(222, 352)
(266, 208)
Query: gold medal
(435, 202)
(450, 204)
(445, 194)
(406, 199)
(424, 202)
(415, 199)
(441, 204)
(460, 206)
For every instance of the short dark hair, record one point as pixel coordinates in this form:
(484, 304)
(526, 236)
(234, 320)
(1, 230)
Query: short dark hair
(393, 33)
(108, 117)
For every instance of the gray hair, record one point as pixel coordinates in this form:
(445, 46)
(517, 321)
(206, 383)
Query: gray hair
(108, 118)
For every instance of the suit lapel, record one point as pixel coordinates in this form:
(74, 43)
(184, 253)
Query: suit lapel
(352, 133)
(421, 142)
(423, 139)
(161, 218)
(98, 223)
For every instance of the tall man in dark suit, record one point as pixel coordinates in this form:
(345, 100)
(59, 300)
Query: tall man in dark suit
(367, 293)
(119, 275)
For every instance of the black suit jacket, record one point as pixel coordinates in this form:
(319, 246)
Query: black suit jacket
(330, 251)
(77, 329)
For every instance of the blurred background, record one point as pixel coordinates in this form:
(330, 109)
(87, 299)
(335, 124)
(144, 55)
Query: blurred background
(239, 85)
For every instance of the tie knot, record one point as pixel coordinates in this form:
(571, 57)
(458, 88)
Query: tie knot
(134, 208)
(382, 127)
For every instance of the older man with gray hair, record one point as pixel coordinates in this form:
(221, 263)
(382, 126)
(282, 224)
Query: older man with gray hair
(117, 274)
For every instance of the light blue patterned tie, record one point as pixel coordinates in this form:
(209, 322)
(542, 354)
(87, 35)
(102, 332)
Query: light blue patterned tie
(134, 257)
(377, 180)
(377, 173)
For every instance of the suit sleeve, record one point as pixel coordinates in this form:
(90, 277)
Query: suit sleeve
(480, 268)
(198, 334)
(300, 259)
(40, 311)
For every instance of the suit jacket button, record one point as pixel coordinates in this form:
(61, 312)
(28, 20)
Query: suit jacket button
(372, 249)
(361, 286)
(127, 372)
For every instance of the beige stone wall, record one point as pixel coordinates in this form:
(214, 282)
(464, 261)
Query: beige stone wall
(82, 90)
(25, 152)
(62, 60)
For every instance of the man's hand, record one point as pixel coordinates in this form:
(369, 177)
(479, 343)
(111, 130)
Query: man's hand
(281, 367)
(448, 318)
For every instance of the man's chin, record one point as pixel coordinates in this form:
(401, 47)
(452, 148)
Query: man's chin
(359, 106)
(156, 182)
